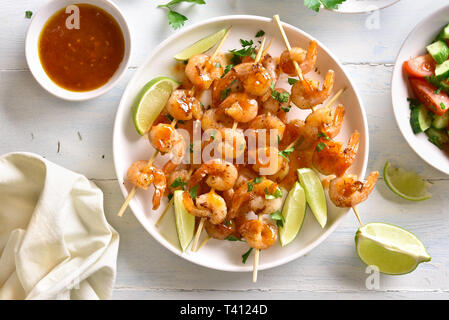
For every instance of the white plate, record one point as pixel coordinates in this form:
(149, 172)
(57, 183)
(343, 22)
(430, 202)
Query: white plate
(360, 6)
(129, 146)
(415, 44)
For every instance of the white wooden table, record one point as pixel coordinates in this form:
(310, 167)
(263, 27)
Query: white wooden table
(33, 120)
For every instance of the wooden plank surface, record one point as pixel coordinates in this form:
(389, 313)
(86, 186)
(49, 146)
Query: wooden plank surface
(33, 120)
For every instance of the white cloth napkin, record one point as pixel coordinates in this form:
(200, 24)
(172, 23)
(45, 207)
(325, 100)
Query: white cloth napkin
(55, 242)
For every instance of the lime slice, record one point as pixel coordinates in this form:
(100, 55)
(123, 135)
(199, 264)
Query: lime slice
(200, 46)
(392, 249)
(150, 102)
(185, 222)
(314, 194)
(294, 211)
(406, 184)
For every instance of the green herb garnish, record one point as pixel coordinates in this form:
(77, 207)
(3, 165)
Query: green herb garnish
(286, 109)
(28, 14)
(225, 93)
(328, 4)
(323, 135)
(250, 186)
(260, 33)
(175, 19)
(227, 69)
(292, 81)
(193, 192)
(278, 217)
(320, 146)
(246, 255)
(285, 153)
(276, 194)
(232, 238)
(178, 183)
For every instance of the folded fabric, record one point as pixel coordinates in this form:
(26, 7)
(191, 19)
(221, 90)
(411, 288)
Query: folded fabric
(55, 242)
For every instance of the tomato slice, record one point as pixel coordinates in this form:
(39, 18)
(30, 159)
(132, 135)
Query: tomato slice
(425, 92)
(422, 66)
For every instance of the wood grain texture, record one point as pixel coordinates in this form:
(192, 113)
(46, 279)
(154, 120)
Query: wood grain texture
(33, 120)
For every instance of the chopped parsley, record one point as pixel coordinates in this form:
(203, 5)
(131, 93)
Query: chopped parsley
(286, 109)
(225, 93)
(227, 69)
(279, 96)
(246, 255)
(320, 146)
(276, 194)
(258, 180)
(178, 183)
(323, 135)
(442, 106)
(218, 65)
(292, 81)
(193, 192)
(191, 148)
(278, 217)
(28, 14)
(248, 50)
(170, 196)
(250, 186)
(175, 19)
(260, 33)
(285, 153)
(246, 43)
(328, 4)
(212, 134)
(232, 238)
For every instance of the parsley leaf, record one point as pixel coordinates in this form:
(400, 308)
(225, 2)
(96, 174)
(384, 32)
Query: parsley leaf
(227, 69)
(193, 192)
(292, 81)
(320, 146)
(170, 196)
(225, 93)
(279, 96)
(28, 14)
(191, 148)
(232, 238)
(212, 134)
(246, 255)
(246, 43)
(442, 106)
(285, 153)
(260, 33)
(258, 180)
(323, 135)
(277, 194)
(178, 183)
(175, 19)
(286, 109)
(173, 2)
(250, 186)
(328, 4)
(278, 217)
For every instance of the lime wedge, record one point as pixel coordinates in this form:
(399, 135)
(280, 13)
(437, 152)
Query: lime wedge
(406, 184)
(150, 102)
(200, 46)
(294, 211)
(185, 222)
(392, 249)
(314, 194)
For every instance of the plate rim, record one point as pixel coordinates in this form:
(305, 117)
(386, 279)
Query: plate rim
(364, 11)
(190, 258)
(395, 73)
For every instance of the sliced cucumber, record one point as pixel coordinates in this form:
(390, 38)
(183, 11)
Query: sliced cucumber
(439, 51)
(420, 119)
(438, 137)
(445, 32)
(442, 70)
(441, 122)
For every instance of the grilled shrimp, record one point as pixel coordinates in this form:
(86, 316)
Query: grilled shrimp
(142, 176)
(201, 70)
(324, 121)
(220, 231)
(331, 158)
(256, 80)
(305, 59)
(259, 234)
(178, 178)
(240, 106)
(264, 123)
(209, 205)
(229, 83)
(307, 95)
(233, 143)
(165, 138)
(255, 194)
(347, 192)
(215, 119)
(182, 105)
(273, 105)
(221, 175)
(266, 160)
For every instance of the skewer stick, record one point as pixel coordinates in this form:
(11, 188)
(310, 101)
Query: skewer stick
(220, 44)
(260, 52)
(357, 215)
(256, 260)
(132, 193)
(198, 233)
(203, 243)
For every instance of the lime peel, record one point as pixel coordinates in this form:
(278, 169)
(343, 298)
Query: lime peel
(315, 195)
(200, 46)
(294, 211)
(406, 184)
(185, 222)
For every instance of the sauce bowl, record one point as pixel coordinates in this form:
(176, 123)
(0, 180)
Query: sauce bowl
(38, 22)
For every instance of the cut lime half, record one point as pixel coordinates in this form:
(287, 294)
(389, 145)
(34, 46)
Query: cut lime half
(150, 102)
(315, 196)
(200, 46)
(185, 222)
(390, 248)
(294, 211)
(406, 184)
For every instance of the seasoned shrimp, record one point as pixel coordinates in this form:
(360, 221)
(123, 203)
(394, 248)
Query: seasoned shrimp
(305, 59)
(220, 231)
(330, 157)
(347, 192)
(215, 119)
(183, 106)
(142, 176)
(177, 179)
(254, 77)
(266, 160)
(201, 70)
(233, 143)
(281, 102)
(255, 194)
(272, 67)
(209, 205)
(240, 107)
(228, 84)
(264, 123)
(324, 121)
(165, 138)
(282, 172)
(306, 96)
(221, 175)
(259, 234)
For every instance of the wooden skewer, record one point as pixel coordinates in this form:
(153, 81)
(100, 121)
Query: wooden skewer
(357, 215)
(220, 44)
(256, 259)
(198, 233)
(203, 243)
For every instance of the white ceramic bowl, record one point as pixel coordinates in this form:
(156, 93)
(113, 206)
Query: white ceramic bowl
(128, 146)
(360, 6)
(32, 53)
(415, 44)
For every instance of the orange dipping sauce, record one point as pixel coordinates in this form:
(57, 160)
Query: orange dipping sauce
(81, 59)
